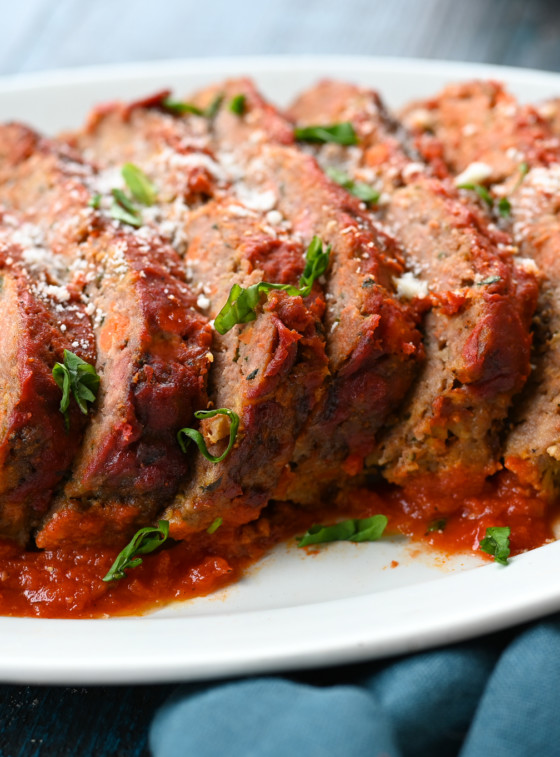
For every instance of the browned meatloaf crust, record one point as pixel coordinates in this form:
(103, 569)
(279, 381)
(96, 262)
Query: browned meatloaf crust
(477, 334)
(152, 348)
(481, 122)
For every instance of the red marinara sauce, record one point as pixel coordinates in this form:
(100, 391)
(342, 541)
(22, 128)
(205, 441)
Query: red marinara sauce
(68, 584)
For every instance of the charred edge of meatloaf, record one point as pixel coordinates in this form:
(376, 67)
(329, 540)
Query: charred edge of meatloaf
(373, 344)
(477, 338)
(171, 150)
(271, 371)
(480, 121)
(36, 448)
(153, 356)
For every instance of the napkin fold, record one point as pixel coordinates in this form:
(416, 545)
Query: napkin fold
(494, 696)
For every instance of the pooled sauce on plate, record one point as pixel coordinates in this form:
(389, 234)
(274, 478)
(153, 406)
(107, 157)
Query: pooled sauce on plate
(68, 584)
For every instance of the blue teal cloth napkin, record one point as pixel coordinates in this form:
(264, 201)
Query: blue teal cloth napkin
(496, 696)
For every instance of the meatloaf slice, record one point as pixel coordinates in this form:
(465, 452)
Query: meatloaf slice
(271, 372)
(477, 334)
(40, 320)
(507, 136)
(152, 352)
(373, 344)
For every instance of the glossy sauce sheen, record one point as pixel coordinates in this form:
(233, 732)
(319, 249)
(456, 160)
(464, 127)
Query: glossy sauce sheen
(64, 584)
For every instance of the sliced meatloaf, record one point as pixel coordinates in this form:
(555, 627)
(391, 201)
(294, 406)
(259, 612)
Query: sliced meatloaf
(41, 318)
(271, 372)
(477, 336)
(519, 150)
(372, 341)
(152, 351)
(373, 344)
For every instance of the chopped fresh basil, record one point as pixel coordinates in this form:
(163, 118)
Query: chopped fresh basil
(123, 209)
(212, 110)
(180, 108)
(139, 185)
(489, 280)
(316, 263)
(77, 378)
(481, 191)
(242, 303)
(437, 525)
(366, 529)
(496, 543)
(504, 207)
(95, 201)
(143, 542)
(192, 434)
(237, 104)
(341, 134)
(358, 188)
(214, 526)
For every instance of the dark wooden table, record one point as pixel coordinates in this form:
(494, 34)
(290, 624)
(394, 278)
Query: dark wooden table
(42, 34)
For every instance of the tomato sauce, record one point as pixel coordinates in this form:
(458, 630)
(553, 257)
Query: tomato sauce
(68, 584)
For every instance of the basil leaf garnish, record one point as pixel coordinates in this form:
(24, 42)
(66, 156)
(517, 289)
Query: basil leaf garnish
(77, 378)
(180, 108)
(242, 302)
(359, 189)
(481, 191)
(365, 529)
(139, 185)
(123, 209)
(496, 543)
(341, 134)
(143, 542)
(237, 104)
(190, 434)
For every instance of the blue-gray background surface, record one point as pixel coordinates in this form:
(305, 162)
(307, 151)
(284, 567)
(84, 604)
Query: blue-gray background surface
(44, 34)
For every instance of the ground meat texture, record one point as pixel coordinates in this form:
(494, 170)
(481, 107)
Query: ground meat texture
(508, 135)
(477, 334)
(153, 353)
(36, 447)
(372, 342)
(481, 122)
(272, 371)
